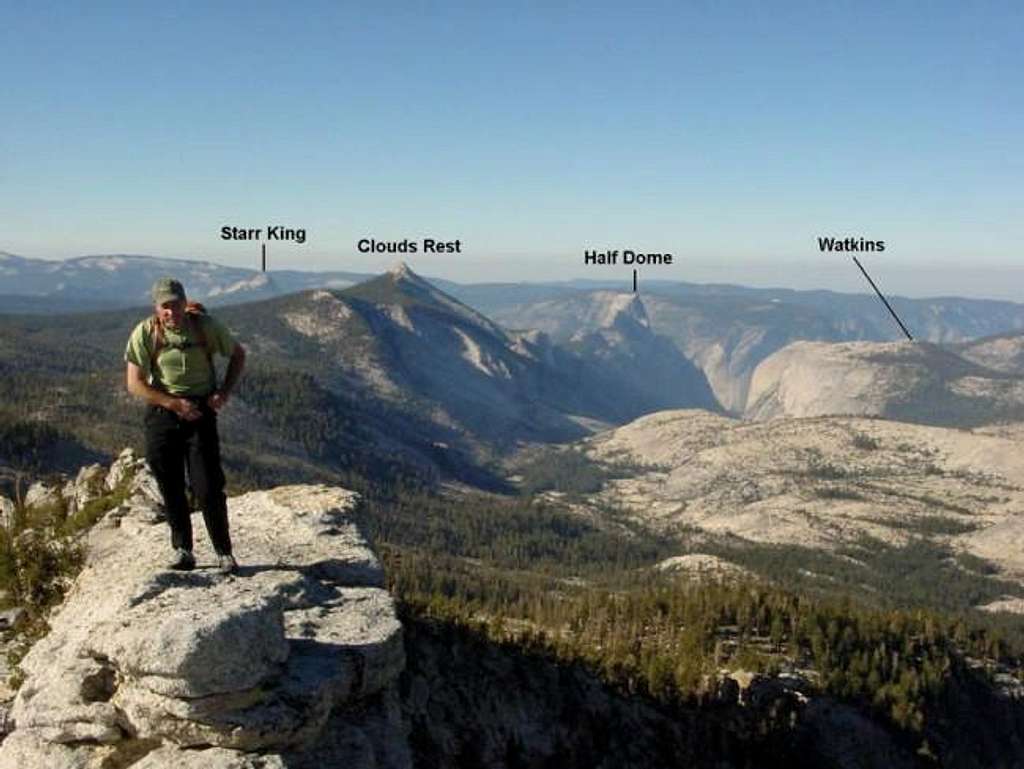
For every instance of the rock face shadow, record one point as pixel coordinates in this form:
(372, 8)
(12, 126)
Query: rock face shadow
(166, 580)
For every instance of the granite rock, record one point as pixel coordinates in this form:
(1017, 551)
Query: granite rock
(204, 669)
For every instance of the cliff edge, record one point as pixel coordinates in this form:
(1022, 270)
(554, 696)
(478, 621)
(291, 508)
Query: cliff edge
(293, 662)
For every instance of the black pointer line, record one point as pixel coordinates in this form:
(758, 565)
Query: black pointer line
(634, 281)
(888, 306)
(263, 249)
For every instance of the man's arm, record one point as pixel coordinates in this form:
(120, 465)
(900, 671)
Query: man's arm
(135, 381)
(236, 364)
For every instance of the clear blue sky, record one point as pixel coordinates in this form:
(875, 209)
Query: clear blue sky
(730, 134)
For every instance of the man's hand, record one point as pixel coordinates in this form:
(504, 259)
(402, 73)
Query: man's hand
(186, 409)
(217, 400)
(135, 379)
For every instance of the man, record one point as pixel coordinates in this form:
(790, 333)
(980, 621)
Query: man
(169, 361)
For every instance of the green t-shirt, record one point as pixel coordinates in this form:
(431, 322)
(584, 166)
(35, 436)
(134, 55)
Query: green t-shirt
(182, 368)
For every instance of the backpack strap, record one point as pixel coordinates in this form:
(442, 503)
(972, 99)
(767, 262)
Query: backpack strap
(156, 342)
(195, 321)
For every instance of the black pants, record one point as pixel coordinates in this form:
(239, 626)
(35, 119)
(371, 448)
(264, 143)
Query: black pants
(172, 443)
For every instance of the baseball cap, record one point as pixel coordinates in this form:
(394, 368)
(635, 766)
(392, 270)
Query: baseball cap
(167, 290)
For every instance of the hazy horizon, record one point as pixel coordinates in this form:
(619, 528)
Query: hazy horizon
(732, 137)
(842, 276)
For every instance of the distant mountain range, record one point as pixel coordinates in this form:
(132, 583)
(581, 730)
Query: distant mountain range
(392, 370)
(401, 342)
(726, 330)
(123, 280)
(400, 369)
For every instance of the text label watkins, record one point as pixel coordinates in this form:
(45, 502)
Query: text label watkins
(861, 245)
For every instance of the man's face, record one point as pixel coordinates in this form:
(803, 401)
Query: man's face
(171, 313)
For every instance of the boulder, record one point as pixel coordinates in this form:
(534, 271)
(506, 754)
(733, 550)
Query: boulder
(27, 749)
(144, 500)
(6, 512)
(126, 465)
(40, 495)
(144, 490)
(88, 485)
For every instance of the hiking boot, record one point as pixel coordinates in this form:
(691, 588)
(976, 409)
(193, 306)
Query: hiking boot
(183, 560)
(226, 564)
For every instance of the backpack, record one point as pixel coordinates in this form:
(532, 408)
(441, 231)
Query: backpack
(194, 314)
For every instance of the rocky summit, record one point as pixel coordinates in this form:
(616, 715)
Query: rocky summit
(291, 662)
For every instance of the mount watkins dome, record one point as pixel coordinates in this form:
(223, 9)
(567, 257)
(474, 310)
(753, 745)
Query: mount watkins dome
(907, 381)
